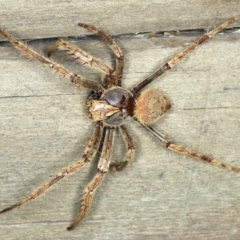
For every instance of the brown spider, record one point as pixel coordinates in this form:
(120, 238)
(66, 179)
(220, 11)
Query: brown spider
(111, 106)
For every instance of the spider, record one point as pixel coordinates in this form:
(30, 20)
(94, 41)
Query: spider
(111, 106)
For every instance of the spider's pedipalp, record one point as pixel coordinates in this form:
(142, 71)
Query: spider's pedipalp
(103, 167)
(88, 155)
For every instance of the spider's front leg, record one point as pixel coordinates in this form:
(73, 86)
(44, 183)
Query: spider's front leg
(103, 167)
(79, 81)
(88, 155)
(186, 151)
(116, 49)
(82, 56)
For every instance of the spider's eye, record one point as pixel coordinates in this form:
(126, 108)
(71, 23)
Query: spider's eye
(94, 95)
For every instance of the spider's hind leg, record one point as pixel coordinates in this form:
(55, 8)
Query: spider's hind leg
(186, 151)
(205, 158)
(130, 151)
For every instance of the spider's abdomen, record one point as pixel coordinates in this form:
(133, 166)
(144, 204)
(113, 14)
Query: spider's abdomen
(115, 106)
(150, 106)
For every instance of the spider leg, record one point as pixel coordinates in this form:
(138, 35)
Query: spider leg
(131, 148)
(103, 167)
(74, 78)
(186, 151)
(80, 55)
(116, 49)
(174, 61)
(88, 155)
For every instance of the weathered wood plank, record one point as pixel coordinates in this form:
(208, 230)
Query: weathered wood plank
(161, 195)
(33, 19)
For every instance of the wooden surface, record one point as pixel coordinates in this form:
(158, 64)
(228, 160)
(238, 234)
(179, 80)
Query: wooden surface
(160, 195)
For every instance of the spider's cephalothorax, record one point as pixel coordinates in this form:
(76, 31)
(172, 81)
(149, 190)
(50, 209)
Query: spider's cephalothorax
(114, 107)
(110, 105)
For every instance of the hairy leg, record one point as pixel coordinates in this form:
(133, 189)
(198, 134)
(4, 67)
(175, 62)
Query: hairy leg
(174, 61)
(88, 155)
(103, 167)
(74, 78)
(186, 151)
(112, 44)
(130, 151)
(81, 56)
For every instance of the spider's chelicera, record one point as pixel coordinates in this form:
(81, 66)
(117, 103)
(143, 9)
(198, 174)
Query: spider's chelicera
(110, 106)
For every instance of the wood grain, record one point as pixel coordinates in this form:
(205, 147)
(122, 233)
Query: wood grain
(160, 195)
